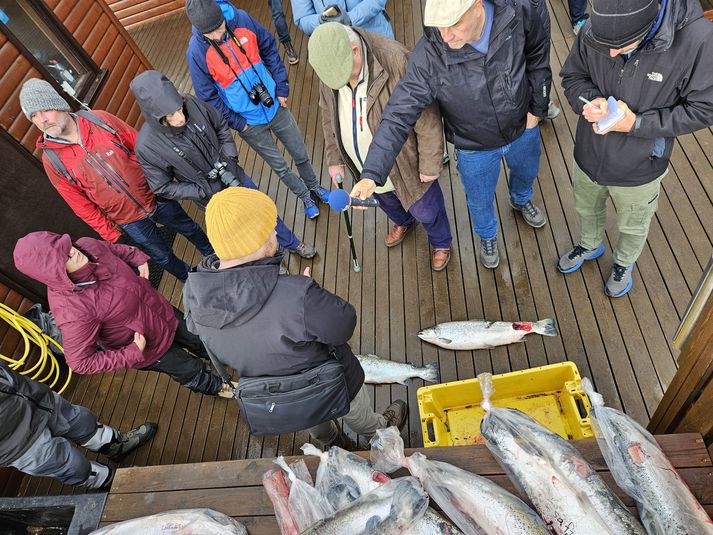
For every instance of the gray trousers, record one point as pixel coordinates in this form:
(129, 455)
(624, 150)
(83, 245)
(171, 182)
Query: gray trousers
(361, 419)
(53, 455)
(285, 128)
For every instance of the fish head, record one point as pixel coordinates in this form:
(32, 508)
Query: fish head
(430, 334)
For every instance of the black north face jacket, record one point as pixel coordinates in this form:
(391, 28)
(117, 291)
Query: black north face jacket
(668, 84)
(484, 100)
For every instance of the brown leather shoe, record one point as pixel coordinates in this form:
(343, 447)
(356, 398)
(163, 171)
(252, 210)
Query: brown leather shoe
(396, 414)
(397, 234)
(440, 258)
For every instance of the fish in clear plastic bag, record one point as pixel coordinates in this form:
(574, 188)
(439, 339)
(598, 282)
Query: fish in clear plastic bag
(177, 522)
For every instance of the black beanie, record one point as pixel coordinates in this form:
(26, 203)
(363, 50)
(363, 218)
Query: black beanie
(205, 15)
(618, 23)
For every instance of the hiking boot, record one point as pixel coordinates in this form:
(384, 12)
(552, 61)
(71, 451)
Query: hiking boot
(311, 210)
(573, 260)
(489, 255)
(532, 215)
(304, 250)
(578, 26)
(125, 443)
(440, 258)
(292, 57)
(396, 414)
(321, 194)
(344, 441)
(396, 235)
(553, 110)
(620, 281)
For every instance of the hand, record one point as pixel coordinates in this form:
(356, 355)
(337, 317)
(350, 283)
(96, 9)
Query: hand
(307, 272)
(363, 190)
(428, 178)
(140, 341)
(627, 123)
(335, 170)
(282, 101)
(144, 270)
(532, 121)
(598, 111)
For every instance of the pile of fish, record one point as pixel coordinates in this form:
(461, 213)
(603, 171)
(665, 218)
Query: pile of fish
(467, 335)
(643, 471)
(380, 371)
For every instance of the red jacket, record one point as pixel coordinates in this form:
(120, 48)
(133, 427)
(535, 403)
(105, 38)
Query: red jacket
(121, 196)
(99, 316)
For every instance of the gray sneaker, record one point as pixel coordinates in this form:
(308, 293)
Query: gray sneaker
(304, 250)
(124, 443)
(553, 110)
(489, 255)
(573, 259)
(532, 215)
(620, 281)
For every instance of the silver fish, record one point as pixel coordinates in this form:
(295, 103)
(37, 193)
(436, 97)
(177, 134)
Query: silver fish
(381, 371)
(390, 508)
(666, 505)
(476, 334)
(567, 492)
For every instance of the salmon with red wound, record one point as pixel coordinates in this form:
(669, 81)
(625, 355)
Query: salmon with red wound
(475, 334)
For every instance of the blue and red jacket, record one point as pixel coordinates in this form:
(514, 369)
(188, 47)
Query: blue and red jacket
(214, 81)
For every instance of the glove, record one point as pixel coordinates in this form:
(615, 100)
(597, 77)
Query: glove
(340, 16)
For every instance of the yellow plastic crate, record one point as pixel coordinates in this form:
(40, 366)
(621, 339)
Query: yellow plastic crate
(450, 412)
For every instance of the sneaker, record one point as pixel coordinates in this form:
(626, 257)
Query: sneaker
(620, 281)
(292, 57)
(125, 443)
(304, 250)
(446, 159)
(489, 255)
(553, 110)
(311, 209)
(396, 414)
(532, 215)
(321, 193)
(228, 391)
(578, 26)
(106, 486)
(573, 260)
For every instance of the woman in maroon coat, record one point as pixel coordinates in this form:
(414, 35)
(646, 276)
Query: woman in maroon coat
(110, 318)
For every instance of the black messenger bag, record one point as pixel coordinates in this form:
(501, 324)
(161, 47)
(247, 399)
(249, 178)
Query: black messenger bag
(285, 404)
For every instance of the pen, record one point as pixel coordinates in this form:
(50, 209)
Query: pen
(588, 102)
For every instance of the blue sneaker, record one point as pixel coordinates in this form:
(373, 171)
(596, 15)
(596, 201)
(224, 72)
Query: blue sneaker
(578, 26)
(573, 260)
(620, 281)
(321, 193)
(311, 209)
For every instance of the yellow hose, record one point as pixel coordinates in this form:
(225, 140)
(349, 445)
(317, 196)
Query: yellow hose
(32, 334)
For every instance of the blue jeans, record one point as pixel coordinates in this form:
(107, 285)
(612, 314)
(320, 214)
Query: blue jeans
(278, 17)
(145, 233)
(479, 171)
(285, 237)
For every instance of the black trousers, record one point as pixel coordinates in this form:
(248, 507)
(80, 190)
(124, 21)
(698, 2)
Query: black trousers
(185, 368)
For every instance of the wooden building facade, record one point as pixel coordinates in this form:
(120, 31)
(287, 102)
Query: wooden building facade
(134, 13)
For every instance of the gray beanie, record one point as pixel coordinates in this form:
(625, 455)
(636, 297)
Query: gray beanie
(39, 95)
(205, 15)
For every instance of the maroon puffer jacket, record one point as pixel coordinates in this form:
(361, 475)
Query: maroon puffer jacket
(99, 316)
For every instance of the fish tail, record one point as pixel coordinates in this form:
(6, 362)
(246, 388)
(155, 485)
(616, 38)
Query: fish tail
(545, 328)
(432, 373)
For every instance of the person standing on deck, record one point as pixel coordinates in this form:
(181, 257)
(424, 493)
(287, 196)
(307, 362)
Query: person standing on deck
(283, 32)
(89, 159)
(235, 67)
(270, 324)
(486, 64)
(367, 14)
(656, 59)
(347, 60)
(39, 427)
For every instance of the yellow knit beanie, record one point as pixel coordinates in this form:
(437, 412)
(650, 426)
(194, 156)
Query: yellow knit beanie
(239, 221)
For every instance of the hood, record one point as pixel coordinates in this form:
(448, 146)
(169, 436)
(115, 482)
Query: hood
(43, 257)
(219, 297)
(157, 97)
(677, 15)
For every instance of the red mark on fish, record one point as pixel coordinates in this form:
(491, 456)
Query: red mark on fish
(380, 477)
(522, 326)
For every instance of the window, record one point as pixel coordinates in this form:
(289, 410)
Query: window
(35, 30)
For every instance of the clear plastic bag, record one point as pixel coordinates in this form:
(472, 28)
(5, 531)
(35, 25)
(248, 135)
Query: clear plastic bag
(566, 491)
(177, 522)
(474, 503)
(639, 466)
(305, 505)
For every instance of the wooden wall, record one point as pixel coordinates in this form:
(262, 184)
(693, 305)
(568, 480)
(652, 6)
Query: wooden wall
(100, 33)
(135, 12)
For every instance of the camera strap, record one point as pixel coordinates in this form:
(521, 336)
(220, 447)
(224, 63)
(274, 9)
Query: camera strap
(225, 59)
(240, 47)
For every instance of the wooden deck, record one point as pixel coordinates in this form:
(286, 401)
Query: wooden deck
(622, 344)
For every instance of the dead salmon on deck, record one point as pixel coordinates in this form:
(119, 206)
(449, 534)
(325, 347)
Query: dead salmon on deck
(475, 334)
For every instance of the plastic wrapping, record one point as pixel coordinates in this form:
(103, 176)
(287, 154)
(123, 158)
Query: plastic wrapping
(666, 505)
(277, 489)
(305, 504)
(177, 522)
(474, 503)
(567, 492)
(390, 508)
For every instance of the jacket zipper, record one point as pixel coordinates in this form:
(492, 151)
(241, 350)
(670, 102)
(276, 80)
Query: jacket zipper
(27, 398)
